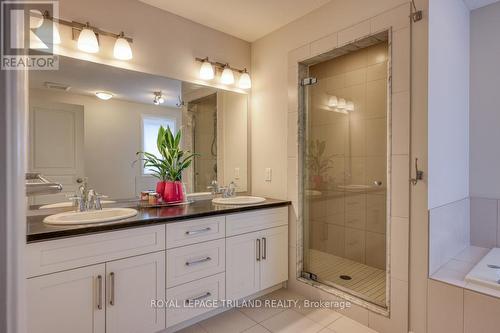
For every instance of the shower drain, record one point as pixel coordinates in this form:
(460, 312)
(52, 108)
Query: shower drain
(345, 277)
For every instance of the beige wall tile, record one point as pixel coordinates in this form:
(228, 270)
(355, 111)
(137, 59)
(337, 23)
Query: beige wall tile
(400, 123)
(376, 72)
(400, 186)
(355, 244)
(481, 313)
(445, 308)
(293, 90)
(399, 248)
(354, 32)
(401, 60)
(376, 216)
(396, 19)
(292, 143)
(375, 252)
(324, 44)
(398, 323)
(297, 55)
(376, 140)
(376, 99)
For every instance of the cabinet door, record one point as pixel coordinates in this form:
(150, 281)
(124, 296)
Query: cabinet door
(242, 265)
(274, 262)
(132, 284)
(70, 301)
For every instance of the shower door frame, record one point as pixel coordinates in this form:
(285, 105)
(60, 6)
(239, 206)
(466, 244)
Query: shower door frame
(302, 233)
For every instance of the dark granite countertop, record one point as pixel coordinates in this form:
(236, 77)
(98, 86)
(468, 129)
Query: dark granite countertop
(39, 231)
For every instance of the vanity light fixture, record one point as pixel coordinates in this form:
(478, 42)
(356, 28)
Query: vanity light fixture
(349, 106)
(122, 48)
(245, 81)
(87, 41)
(333, 101)
(227, 76)
(342, 104)
(87, 36)
(104, 95)
(158, 98)
(206, 70)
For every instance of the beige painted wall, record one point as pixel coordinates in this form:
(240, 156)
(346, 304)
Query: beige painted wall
(112, 137)
(164, 44)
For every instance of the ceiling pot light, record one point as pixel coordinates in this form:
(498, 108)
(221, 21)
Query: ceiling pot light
(245, 81)
(122, 48)
(104, 95)
(87, 41)
(227, 76)
(206, 70)
(158, 98)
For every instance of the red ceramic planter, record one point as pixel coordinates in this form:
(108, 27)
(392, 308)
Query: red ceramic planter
(173, 192)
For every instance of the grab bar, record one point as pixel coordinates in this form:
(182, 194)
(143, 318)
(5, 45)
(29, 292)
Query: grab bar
(36, 184)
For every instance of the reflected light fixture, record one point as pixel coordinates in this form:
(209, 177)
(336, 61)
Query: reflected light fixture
(122, 48)
(158, 98)
(333, 101)
(227, 76)
(87, 41)
(206, 70)
(341, 104)
(104, 95)
(245, 81)
(349, 106)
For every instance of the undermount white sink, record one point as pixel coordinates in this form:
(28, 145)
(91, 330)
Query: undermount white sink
(93, 216)
(239, 200)
(69, 204)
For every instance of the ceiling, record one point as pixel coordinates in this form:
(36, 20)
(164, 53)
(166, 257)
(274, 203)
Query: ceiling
(245, 19)
(87, 78)
(475, 4)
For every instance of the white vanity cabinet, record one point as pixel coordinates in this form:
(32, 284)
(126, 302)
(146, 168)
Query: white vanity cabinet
(69, 301)
(256, 252)
(111, 297)
(106, 282)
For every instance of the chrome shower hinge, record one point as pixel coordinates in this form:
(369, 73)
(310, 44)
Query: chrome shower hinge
(308, 81)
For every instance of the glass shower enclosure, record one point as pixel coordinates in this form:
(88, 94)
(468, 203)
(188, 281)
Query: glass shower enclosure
(344, 131)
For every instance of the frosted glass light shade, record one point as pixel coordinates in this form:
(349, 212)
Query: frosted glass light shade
(349, 106)
(227, 76)
(206, 71)
(104, 95)
(245, 81)
(122, 49)
(333, 101)
(342, 104)
(87, 41)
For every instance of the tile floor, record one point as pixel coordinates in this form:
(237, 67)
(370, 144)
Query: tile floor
(279, 320)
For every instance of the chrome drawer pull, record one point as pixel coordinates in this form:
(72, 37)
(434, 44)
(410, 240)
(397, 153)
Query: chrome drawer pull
(199, 261)
(191, 300)
(258, 249)
(195, 232)
(112, 288)
(99, 292)
(264, 248)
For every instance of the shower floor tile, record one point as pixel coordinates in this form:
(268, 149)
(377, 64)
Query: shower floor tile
(366, 281)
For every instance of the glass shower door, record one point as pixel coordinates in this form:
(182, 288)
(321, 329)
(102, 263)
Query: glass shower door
(344, 173)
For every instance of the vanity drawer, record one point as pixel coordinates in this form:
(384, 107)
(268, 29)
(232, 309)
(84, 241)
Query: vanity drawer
(241, 223)
(192, 262)
(63, 254)
(195, 231)
(211, 288)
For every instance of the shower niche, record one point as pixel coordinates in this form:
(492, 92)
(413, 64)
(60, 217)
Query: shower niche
(344, 131)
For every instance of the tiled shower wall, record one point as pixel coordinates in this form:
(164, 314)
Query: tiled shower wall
(484, 222)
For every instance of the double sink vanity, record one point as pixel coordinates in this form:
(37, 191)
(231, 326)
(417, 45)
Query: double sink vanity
(146, 273)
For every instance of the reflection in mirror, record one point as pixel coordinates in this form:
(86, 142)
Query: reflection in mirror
(75, 134)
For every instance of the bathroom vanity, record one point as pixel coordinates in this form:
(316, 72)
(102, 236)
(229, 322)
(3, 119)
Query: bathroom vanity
(108, 277)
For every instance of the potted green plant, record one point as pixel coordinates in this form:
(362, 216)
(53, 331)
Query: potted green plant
(168, 168)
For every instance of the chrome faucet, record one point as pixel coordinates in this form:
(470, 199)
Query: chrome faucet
(86, 198)
(226, 191)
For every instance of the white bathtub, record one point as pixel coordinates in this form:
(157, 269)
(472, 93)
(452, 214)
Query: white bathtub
(484, 275)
